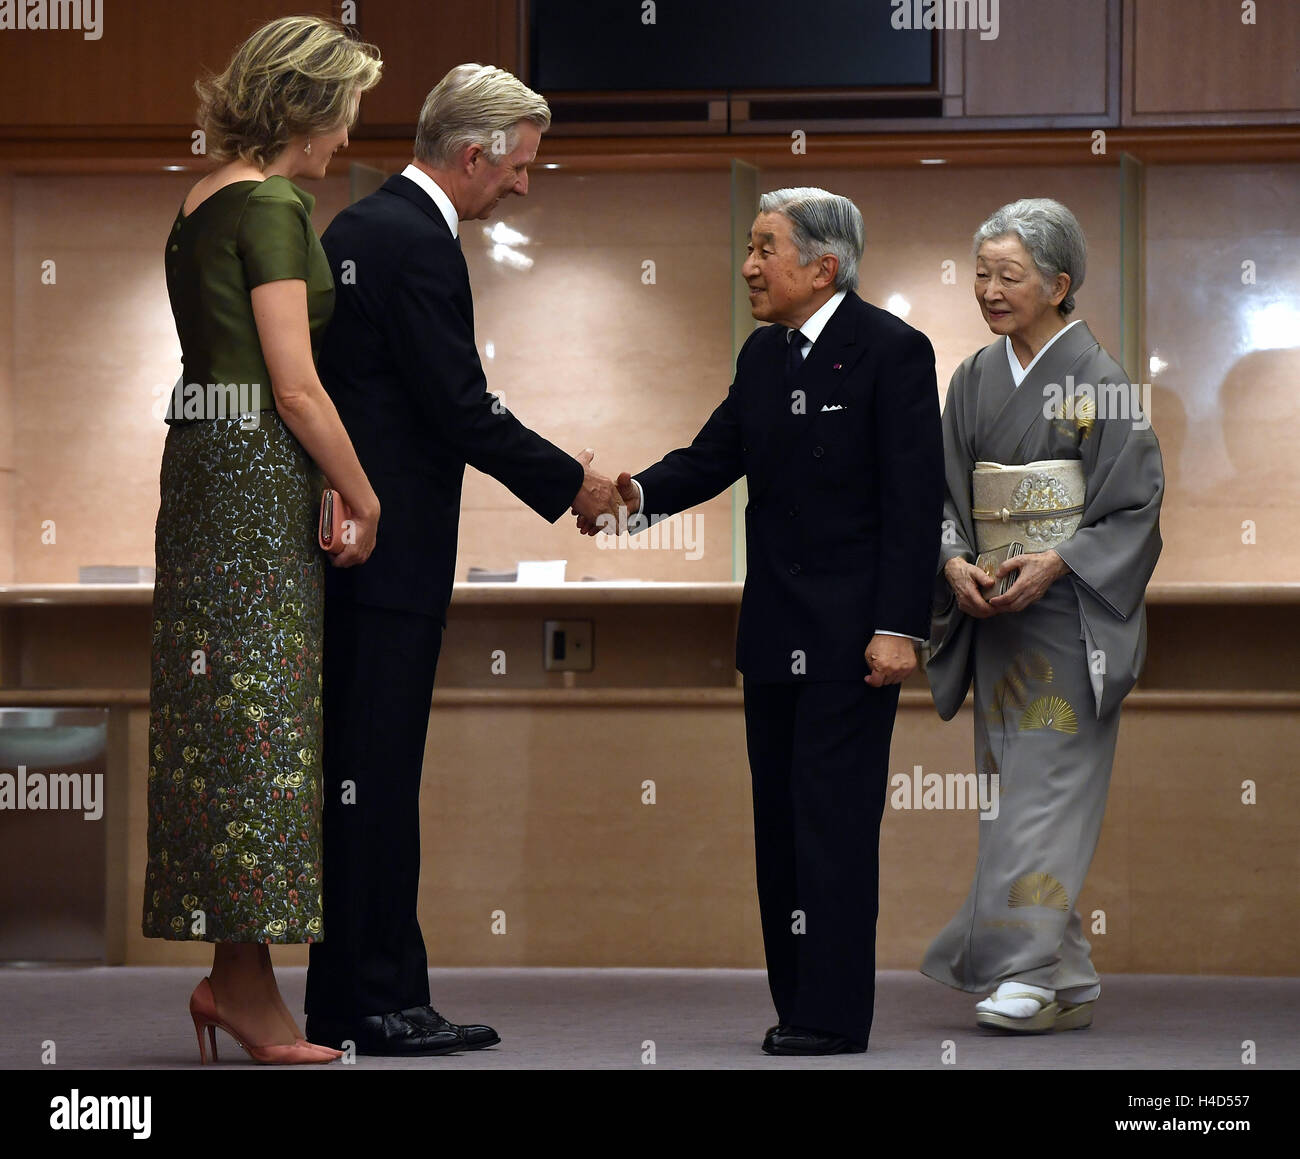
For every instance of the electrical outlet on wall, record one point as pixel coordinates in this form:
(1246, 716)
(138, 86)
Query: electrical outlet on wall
(568, 646)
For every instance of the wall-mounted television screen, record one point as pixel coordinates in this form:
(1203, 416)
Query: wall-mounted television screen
(606, 46)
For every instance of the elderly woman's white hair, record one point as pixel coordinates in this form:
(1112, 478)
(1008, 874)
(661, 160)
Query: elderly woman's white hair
(1051, 234)
(821, 223)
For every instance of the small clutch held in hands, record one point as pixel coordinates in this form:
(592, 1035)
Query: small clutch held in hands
(333, 514)
(989, 561)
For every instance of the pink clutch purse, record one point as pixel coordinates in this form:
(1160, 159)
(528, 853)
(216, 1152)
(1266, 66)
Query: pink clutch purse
(333, 514)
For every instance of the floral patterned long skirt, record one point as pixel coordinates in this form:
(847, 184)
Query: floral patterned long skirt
(235, 684)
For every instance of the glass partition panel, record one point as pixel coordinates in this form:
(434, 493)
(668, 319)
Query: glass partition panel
(1222, 305)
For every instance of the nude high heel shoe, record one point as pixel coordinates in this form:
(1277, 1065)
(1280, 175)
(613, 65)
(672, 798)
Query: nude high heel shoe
(203, 1009)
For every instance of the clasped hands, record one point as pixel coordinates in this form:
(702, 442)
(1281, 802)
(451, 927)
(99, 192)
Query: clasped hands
(603, 504)
(1037, 572)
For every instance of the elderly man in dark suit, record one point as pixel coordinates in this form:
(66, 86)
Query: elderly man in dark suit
(400, 362)
(833, 418)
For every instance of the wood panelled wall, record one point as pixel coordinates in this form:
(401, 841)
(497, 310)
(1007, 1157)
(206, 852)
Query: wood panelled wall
(1052, 64)
(8, 473)
(421, 41)
(139, 73)
(138, 76)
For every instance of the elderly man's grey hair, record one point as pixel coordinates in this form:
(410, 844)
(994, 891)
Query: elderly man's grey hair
(476, 104)
(1050, 233)
(821, 223)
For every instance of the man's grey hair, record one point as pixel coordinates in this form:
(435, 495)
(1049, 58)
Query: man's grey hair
(821, 223)
(476, 104)
(1051, 234)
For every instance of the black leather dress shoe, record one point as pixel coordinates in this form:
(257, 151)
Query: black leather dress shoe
(390, 1035)
(801, 1040)
(476, 1037)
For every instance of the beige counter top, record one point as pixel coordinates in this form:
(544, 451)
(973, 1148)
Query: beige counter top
(464, 594)
(577, 594)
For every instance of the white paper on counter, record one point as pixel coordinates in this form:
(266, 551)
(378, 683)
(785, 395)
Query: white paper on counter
(541, 572)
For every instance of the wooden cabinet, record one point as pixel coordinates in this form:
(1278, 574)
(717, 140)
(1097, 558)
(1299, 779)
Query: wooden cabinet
(1205, 62)
(1060, 64)
(137, 78)
(421, 41)
(1054, 64)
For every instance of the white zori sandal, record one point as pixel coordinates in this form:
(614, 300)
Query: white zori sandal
(1019, 1008)
(1076, 1004)
(1024, 1009)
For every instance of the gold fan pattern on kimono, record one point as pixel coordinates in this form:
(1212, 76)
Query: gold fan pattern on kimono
(1038, 889)
(1013, 688)
(1052, 712)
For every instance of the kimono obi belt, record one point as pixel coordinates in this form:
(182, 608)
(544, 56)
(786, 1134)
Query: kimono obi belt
(1038, 504)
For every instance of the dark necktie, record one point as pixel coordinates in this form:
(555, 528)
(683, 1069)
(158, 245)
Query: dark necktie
(794, 359)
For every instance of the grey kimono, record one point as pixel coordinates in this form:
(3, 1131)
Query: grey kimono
(1048, 680)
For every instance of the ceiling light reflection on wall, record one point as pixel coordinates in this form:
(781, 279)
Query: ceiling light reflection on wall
(502, 234)
(510, 257)
(897, 304)
(1273, 327)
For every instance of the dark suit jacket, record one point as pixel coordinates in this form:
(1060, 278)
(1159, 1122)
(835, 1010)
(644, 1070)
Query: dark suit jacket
(400, 363)
(845, 506)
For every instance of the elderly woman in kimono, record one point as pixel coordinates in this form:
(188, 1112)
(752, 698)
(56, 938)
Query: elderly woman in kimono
(1045, 452)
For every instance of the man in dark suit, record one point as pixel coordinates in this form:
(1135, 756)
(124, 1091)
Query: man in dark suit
(399, 361)
(833, 418)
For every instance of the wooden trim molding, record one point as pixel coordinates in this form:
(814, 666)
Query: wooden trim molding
(28, 151)
(689, 697)
(617, 594)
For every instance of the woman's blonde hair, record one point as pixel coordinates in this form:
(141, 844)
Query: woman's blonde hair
(294, 75)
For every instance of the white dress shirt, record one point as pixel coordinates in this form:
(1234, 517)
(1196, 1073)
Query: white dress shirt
(440, 199)
(1019, 372)
(812, 329)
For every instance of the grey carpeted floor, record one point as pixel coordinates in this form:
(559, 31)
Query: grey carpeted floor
(111, 1017)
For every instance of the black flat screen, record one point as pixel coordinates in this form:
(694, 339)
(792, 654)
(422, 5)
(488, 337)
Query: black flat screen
(723, 45)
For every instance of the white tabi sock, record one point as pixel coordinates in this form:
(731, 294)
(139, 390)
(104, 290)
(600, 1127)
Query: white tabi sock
(1001, 1002)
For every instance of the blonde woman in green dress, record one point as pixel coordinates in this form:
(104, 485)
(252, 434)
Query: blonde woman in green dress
(234, 720)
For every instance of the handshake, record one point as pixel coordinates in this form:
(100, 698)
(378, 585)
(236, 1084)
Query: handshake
(604, 504)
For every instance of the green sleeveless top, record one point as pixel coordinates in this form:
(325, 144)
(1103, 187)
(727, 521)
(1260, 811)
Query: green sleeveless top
(244, 234)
